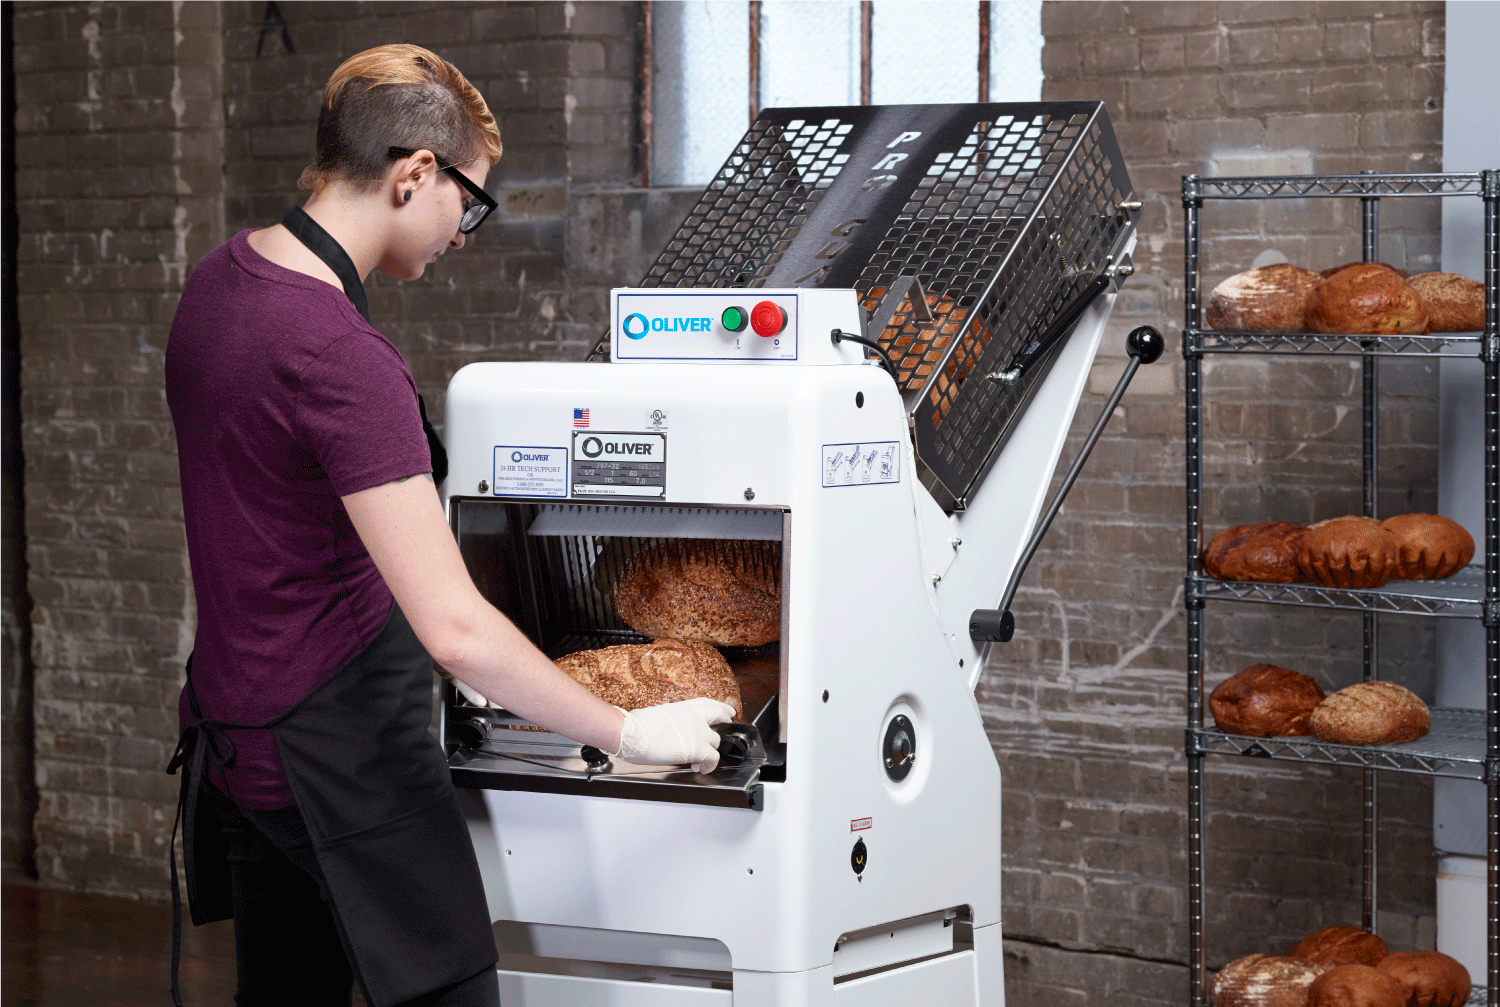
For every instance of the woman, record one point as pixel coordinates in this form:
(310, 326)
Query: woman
(317, 809)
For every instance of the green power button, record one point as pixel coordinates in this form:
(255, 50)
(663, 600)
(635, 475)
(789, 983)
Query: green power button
(734, 319)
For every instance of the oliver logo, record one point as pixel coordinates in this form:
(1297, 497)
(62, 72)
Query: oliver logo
(622, 447)
(635, 327)
(592, 447)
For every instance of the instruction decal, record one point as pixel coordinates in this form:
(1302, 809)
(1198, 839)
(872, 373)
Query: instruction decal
(522, 471)
(867, 464)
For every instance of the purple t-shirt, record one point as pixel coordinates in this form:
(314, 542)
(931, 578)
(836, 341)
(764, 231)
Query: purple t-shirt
(284, 400)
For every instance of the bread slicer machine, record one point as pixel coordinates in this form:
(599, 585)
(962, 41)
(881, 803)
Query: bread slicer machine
(865, 346)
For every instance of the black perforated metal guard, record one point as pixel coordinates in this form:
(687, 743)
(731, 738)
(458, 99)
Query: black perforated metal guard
(1003, 212)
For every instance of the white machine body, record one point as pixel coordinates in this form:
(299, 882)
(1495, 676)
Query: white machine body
(606, 901)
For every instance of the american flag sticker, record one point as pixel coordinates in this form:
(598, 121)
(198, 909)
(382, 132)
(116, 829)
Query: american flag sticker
(580, 419)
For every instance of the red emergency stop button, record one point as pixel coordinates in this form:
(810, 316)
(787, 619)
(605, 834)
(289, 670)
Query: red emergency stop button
(768, 319)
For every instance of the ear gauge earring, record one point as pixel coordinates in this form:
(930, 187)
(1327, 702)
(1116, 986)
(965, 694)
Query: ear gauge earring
(406, 196)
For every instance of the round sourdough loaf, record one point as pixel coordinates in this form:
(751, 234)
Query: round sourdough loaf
(1355, 986)
(1366, 298)
(1265, 701)
(1264, 981)
(1371, 713)
(725, 593)
(1339, 269)
(1429, 546)
(1429, 978)
(1454, 303)
(1347, 552)
(1341, 946)
(634, 675)
(1264, 552)
(1264, 299)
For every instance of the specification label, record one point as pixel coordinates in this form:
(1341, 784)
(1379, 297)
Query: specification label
(861, 464)
(530, 471)
(619, 464)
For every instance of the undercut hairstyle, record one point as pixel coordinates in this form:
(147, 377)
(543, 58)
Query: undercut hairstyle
(397, 96)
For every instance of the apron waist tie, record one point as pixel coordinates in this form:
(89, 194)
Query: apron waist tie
(205, 737)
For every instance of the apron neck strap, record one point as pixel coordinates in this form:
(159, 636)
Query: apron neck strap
(323, 245)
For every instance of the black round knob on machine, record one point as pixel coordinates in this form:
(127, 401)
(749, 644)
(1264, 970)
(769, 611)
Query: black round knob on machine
(899, 750)
(733, 750)
(1145, 342)
(593, 756)
(471, 733)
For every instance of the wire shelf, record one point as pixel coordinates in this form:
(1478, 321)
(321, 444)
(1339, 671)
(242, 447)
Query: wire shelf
(1454, 747)
(1458, 597)
(1312, 344)
(1298, 186)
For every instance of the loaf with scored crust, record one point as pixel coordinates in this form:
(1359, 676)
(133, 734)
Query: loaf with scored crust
(634, 675)
(1341, 945)
(1371, 713)
(1264, 981)
(1366, 298)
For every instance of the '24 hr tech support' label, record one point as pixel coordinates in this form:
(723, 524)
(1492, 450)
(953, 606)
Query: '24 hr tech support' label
(530, 471)
(619, 464)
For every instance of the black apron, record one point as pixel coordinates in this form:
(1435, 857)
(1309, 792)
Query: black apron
(373, 787)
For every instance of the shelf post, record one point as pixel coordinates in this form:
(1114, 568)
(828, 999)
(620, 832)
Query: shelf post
(1192, 204)
(1490, 352)
(1370, 429)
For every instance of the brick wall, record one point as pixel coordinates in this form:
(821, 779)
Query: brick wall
(147, 133)
(1086, 707)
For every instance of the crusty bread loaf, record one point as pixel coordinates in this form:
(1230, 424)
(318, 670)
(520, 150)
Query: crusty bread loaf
(1429, 978)
(1355, 986)
(1339, 269)
(1454, 303)
(1341, 946)
(1371, 713)
(1264, 981)
(725, 593)
(1264, 299)
(646, 674)
(1366, 298)
(1264, 552)
(1265, 701)
(1347, 552)
(1429, 546)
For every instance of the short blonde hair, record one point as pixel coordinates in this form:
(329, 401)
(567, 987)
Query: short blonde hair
(398, 96)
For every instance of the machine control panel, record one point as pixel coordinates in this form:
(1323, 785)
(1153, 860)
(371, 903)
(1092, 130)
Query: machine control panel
(665, 325)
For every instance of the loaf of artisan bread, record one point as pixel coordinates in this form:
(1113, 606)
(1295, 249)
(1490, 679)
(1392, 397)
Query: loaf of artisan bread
(1264, 299)
(647, 674)
(1333, 946)
(1366, 298)
(1355, 986)
(1264, 552)
(1264, 981)
(1371, 713)
(1429, 546)
(725, 593)
(1454, 303)
(1265, 701)
(1339, 269)
(1347, 552)
(1428, 978)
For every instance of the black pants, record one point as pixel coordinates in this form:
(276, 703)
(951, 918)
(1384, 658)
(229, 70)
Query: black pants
(289, 948)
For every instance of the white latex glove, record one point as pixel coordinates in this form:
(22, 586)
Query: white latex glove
(474, 698)
(675, 733)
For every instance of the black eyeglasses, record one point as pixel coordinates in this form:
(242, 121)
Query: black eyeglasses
(475, 214)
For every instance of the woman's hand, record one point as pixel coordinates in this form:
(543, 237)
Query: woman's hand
(675, 733)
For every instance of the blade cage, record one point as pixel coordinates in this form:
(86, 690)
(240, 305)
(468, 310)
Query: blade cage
(1002, 230)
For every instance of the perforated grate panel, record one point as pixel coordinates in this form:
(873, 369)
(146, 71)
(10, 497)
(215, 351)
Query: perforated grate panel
(1003, 212)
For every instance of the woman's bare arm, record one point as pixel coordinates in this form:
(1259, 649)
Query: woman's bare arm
(403, 527)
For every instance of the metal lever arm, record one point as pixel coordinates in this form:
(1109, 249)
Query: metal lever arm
(997, 625)
(1061, 326)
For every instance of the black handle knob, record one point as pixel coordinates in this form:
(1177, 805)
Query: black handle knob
(471, 733)
(733, 750)
(593, 756)
(1145, 342)
(991, 625)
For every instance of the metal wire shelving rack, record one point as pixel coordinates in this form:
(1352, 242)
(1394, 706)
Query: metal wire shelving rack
(1462, 743)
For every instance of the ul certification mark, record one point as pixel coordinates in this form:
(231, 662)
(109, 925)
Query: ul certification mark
(619, 464)
(868, 464)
